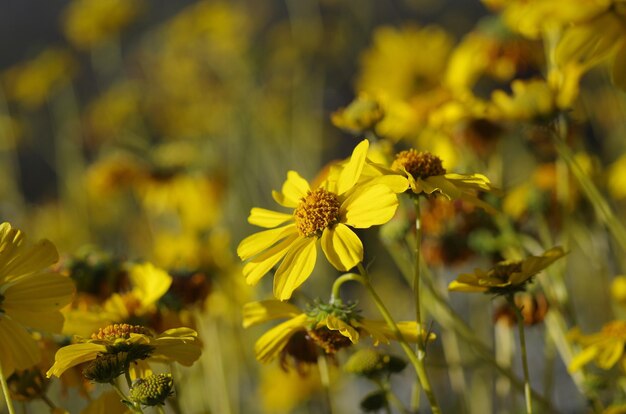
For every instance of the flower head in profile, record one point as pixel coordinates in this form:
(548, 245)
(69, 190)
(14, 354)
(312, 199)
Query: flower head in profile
(506, 277)
(115, 347)
(605, 348)
(360, 116)
(30, 297)
(322, 214)
(327, 327)
(427, 175)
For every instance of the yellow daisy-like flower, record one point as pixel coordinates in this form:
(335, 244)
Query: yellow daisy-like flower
(30, 297)
(148, 284)
(319, 214)
(506, 277)
(330, 327)
(426, 175)
(606, 347)
(180, 345)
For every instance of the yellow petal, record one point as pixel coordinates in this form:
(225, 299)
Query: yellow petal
(444, 185)
(294, 189)
(335, 324)
(456, 286)
(268, 218)
(185, 350)
(618, 69)
(257, 242)
(263, 263)
(342, 247)
(590, 42)
(352, 171)
(582, 359)
(395, 182)
(19, 349)
(269, 345)
(257, 312)
(73, 355)
(47, 321)
(39, 292)
(295, 268)
(535, 264)
(149, 283)
(369, 205)
(610, 354)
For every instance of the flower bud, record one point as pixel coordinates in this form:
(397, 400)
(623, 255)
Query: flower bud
(152, 390)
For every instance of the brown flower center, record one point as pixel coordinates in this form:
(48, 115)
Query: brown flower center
(329, 340)
(504, 270)
(119, 331)
(420, 164)
(318, 210)
(615, 329)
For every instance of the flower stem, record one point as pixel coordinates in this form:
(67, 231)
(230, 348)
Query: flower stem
(5, 390)
(135, 407)
(160, 409)
(522, 341)
(418, 364)
(420, 349)
(322, 365)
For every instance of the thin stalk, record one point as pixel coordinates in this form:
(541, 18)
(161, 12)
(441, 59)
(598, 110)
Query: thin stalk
(522, 342)
(419, 348)
(418, 364)
(135, 407)
(48, 402)
(392, 397)
(322, 366)
(449, 319)
(5, 390)
(160, 409)
(129, 382)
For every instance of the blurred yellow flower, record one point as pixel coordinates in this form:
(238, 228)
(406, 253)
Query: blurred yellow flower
(319, 214)
(530, 100)
(32, 82)
(618, 289)
(360, 116)
(506, 277)
(387, 68)
(86, 23)
(329, 327)
(148, 285)
(180, 345)
(606, 347)
(281, 391)
(30, 297)
(616, 178)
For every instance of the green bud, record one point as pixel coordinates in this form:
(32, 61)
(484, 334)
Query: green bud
(152, 390)
(374, 401)
(371, 363)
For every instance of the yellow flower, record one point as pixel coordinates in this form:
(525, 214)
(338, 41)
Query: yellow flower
(148, 285)
(32, 82)
(180, 345)
(30, 297)
(282, 391)
(330, 327)
(506, 277)
(427, 175)
(319, 214)
(360, 116)
(89, 22)
(530, 99)
(618, 289)
(606, 347)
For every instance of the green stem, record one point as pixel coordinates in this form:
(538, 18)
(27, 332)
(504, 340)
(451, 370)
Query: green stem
(392, 397)
(418, 364)
(449, 319)
(160, 409)
(420, 348)
(5, 390)
(522, 341)
(129, 382)
(135, 407)
(322, 365)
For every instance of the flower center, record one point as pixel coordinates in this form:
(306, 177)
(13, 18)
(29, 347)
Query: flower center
(301, 350)
(615, 329)
(420, 164)
(330, 341)
(119, 331)
(318, 210)
(504, 270)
